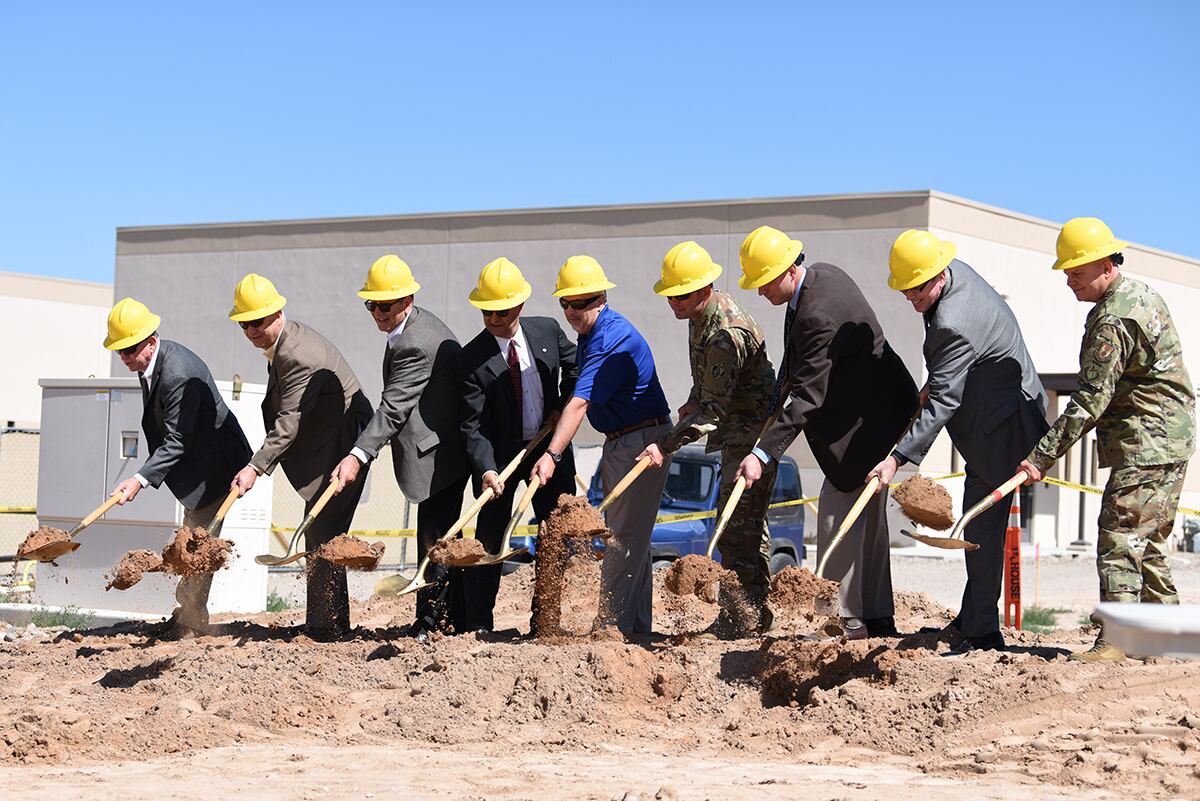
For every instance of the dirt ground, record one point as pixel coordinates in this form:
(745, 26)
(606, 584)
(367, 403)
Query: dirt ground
(260, 711)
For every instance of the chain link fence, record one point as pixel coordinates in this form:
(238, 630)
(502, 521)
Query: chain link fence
(18, 486)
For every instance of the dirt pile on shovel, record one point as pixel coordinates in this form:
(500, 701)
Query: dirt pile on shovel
(346, 551)
(194, 551)
(694, 575)
(573, 520)
(40, 538)
(132, 566)
(799, 591)
(459, 551)
(925, 502)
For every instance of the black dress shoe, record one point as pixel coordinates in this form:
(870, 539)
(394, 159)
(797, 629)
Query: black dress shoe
(988, 642)
(881, 626)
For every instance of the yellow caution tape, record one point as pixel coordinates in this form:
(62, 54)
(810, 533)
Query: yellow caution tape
(1182, 510)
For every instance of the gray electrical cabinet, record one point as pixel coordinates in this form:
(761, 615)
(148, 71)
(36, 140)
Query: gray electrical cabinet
(92, 440)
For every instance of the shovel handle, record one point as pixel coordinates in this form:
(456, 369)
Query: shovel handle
(851, 516)
(735, 495)
(227, 504)
(488, 493)
(993, 497)
(522, 505)
(624, 483)
(316, 510)
(97, 513)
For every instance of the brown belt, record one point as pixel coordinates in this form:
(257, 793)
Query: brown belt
(620, 432)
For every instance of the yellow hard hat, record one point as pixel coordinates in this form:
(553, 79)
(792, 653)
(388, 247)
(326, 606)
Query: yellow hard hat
(765, 254)
(917, 256)
(389, 279)
(501, 286)
(1084, 240)
(254, 298)
(581, 275)
(129, 323)
(686, 268)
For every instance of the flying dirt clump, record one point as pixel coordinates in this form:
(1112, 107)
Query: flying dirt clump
(40, 538)
(925, 502)
(194, 551)
(694, 575)
(346, 551)
(573, 520)
(132, 566)
(460, 551)
(797, 589)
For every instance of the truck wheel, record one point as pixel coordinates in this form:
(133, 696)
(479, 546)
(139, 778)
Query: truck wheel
(780, 560)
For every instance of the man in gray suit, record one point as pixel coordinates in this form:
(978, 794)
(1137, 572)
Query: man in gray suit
(419, 415)
(984, 389)
(196, 445)
(314, 409)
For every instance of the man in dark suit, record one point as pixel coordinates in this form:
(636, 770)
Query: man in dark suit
(984, 390)
(313, 411)
(840, 383)
(196, 445)
(419, 415)
(517, 373)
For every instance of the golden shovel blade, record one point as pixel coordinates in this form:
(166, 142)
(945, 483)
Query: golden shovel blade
(398, 585)
(51, 551)
(946, 543)
(498, 558)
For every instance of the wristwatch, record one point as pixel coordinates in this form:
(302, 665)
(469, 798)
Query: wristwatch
(554, 457)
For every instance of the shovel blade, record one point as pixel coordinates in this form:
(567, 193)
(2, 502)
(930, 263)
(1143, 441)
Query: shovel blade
(498, 558)
(51, 551)
(398, 585)
(275, 561)
(945, 543)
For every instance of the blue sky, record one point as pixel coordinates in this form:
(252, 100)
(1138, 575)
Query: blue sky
(122, 114)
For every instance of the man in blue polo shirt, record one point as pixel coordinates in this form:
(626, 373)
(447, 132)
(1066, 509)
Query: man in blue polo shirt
(618, 391)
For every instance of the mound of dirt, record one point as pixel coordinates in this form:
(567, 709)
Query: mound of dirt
(694, 575)
(458, 551)
(791, 669)
(796, 589)
(132, 566)
(194, 551)
(925, 502)
(351, 552)
(569, 527)
(40, 538)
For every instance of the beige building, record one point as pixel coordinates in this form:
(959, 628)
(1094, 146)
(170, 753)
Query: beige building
(187, 274)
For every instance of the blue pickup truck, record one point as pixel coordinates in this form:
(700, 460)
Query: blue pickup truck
(693, 486)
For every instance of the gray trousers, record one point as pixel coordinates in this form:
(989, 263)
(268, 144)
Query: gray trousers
(861, 561)
(626, 587)
(191, 594)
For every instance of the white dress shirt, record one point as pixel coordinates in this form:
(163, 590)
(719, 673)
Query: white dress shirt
(359, 453)
(148, 375)
(532, 400)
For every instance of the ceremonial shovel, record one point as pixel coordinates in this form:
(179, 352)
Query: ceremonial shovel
(271, 561)
(52, 550)
(955, 541)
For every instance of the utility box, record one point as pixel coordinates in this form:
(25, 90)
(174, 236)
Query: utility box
(92, 440)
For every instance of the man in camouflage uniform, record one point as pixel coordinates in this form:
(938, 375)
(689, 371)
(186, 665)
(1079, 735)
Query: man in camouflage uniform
(1135, 391)
(732, 379)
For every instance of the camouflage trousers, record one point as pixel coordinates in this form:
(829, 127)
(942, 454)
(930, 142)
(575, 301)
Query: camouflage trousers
(746, 544)
(1137, 514)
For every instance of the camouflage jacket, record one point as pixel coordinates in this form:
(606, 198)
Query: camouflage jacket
(732, 377)
(1133, 386)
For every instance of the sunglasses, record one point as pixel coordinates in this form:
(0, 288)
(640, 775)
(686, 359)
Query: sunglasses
(683, 297)
(132, 349)
(501, 313)
(384, 307)
(252, 323)
(578, 305)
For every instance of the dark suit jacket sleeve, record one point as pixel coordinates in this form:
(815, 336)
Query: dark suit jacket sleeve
(409, 373)
(181, 406)
(479, 448)
(809, 365)
(298, 394)
(948, 356)
(568, 369)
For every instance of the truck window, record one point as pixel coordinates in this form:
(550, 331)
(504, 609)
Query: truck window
(690, 481)
(787, 483)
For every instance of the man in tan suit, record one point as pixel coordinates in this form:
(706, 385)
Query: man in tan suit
(314, 410)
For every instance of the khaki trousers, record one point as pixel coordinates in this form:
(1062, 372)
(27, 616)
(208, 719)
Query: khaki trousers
(862, 561)
(191, 594)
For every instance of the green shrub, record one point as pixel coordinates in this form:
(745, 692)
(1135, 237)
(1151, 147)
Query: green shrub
(1040, 619)
(70, 616)
(277, 603)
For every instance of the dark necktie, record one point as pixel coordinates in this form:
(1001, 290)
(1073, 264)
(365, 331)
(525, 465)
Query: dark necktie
(145, 387)
(788, 318)
(514, 373)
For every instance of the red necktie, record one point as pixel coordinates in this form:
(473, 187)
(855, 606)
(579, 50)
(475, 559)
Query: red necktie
(514, 372)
